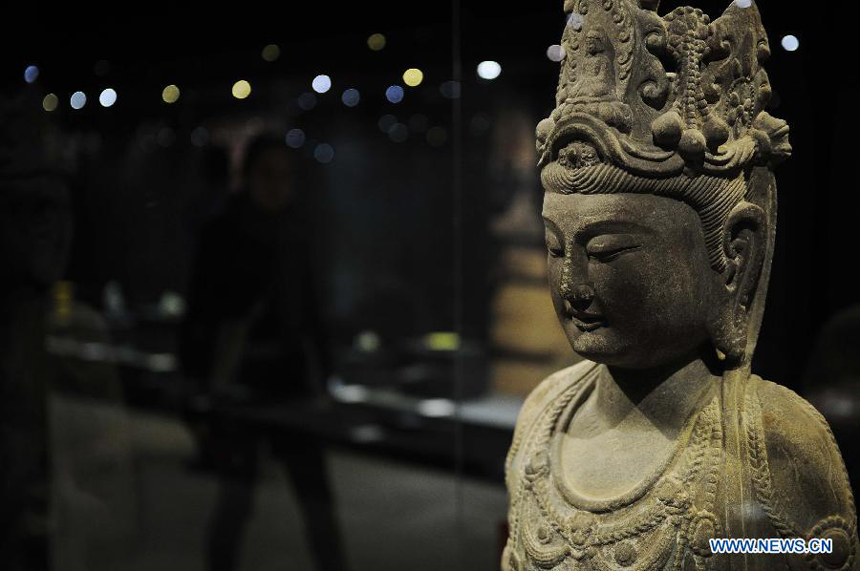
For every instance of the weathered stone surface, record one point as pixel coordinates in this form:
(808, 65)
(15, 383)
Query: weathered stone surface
(660, 214)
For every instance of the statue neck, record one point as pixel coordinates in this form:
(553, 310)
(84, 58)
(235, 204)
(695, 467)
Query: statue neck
(661, 398)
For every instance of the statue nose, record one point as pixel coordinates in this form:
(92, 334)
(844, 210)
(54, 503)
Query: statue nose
(581, 296)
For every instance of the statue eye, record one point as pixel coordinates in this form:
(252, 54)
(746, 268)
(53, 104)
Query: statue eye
(610, 247)
(554, 247)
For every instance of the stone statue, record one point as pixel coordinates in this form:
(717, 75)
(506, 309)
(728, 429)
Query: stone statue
(660, 213)
(598, 79)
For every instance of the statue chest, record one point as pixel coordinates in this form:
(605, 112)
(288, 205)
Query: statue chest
(662, 523)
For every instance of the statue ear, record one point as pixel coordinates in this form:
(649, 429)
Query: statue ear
(744, 246)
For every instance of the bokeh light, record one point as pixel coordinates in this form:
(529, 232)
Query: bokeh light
(743, 3)
(489, 69)
(31, 73)
(413, 77)
(50, 102)
(107, 97)
(324, 153)
(271, 52)
(555, 52)
(78, 100)
(437, 408)
(351, 97)
(295, 138)
(321, 83)
(368, 341)
(376, 42)
(790, 43)
(394, 94)
(170, 94)
(241, 89)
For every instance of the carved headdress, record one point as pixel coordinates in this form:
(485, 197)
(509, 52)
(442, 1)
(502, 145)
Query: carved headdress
(673, 106)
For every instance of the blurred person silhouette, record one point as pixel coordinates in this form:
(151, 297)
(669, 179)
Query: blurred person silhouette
(253, 337)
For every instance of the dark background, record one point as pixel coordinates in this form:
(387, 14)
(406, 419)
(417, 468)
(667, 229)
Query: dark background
(813, 86)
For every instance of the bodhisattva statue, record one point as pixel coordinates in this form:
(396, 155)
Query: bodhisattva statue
(660, 213)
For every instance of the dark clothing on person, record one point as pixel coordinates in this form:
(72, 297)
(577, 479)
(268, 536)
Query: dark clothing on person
(304, 461)
(253, 276)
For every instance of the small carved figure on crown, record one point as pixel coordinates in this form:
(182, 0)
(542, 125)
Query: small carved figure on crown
(597, 80)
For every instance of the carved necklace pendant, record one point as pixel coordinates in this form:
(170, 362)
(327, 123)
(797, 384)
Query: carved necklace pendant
(666, 518)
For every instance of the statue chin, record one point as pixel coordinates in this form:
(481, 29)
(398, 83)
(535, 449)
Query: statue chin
(611, 348)
(606, 352)
(631, 349)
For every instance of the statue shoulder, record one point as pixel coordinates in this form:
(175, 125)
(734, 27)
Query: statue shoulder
(541, 398)
(548, 389)
(797, 472)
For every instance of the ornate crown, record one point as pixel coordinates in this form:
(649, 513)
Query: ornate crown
(659, 97)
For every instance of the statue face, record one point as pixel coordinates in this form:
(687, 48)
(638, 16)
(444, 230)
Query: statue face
(629, 277)
(593, 42)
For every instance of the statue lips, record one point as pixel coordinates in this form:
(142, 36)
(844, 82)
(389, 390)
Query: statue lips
(586, 322)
